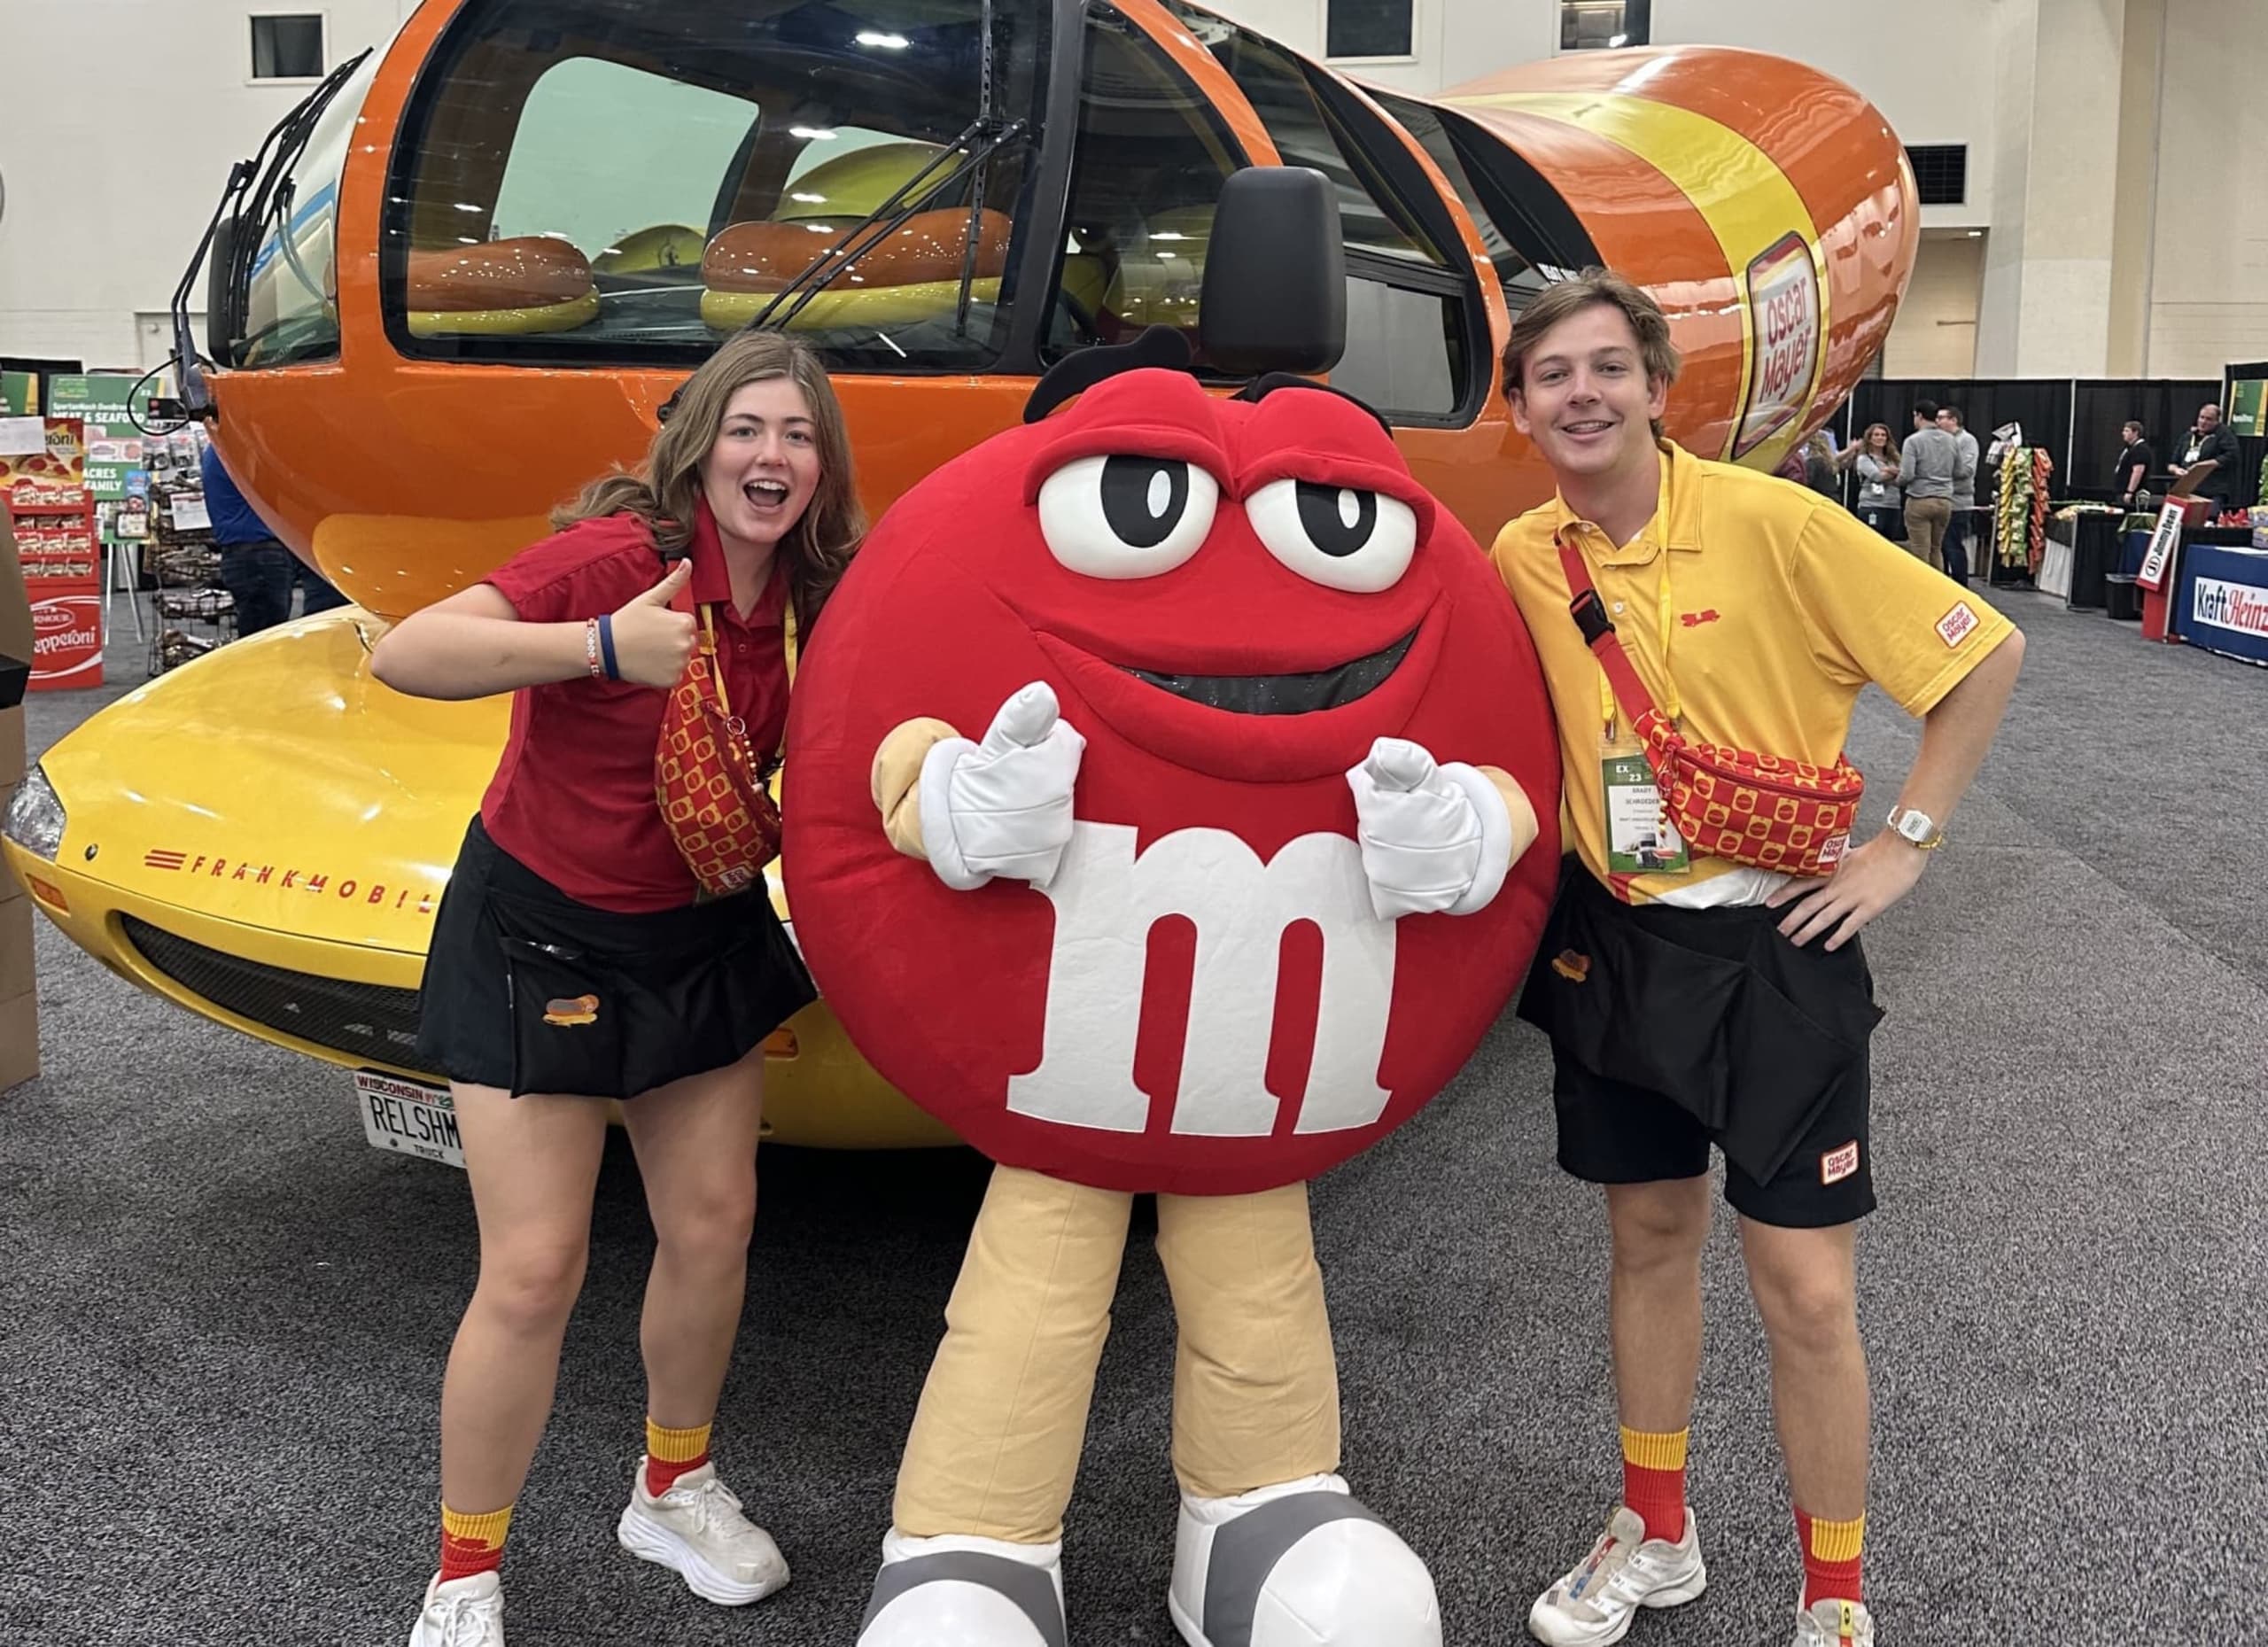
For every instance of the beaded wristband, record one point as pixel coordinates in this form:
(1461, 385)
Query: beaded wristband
(591, 649)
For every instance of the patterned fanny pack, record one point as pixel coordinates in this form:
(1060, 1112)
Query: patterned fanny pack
(715, 793)
(1764, 810)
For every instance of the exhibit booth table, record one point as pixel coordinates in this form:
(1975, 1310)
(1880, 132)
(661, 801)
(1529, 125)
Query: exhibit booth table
(2220, 598)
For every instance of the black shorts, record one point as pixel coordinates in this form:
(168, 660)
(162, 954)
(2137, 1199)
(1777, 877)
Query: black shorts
(1674, 1030)
(532, 991)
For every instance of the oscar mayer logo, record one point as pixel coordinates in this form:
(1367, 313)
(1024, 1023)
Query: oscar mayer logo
(1782, 288)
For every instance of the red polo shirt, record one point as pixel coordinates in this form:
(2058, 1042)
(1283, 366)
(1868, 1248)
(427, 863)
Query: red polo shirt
(573, 798)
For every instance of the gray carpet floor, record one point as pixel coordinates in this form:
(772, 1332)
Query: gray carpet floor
(226, 1317)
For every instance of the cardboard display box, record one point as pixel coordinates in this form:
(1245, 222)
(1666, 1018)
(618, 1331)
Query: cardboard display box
(19, 1002)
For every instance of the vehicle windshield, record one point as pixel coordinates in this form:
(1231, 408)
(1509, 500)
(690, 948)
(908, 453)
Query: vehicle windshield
(288, 230)
(611, 182)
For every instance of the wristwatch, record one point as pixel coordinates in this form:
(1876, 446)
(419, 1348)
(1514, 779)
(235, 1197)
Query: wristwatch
(1916, 829)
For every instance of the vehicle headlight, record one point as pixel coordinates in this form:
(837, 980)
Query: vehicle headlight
(35, 820)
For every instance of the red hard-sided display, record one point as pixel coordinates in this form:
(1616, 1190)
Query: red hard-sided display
(1203, 1001)
(61, 555)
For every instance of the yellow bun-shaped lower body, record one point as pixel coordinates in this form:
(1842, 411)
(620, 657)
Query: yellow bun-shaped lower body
(505, 322)
(851, 306)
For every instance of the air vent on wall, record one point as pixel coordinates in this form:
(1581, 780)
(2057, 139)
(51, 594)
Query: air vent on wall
(1941, 169)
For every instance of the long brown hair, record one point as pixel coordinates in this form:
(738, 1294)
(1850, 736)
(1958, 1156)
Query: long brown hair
(665, 491)
(1864, 446)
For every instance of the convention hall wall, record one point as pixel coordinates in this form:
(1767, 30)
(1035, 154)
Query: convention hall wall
(2112, 146)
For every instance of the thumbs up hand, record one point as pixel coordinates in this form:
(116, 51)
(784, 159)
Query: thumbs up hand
(1435, 839)
(1003, 806)
(651, 642)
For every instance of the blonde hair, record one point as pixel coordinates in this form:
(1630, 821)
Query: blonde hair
(1594, 288)
(665, 491)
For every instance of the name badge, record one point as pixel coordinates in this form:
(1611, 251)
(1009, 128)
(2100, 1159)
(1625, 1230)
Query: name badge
(1640, 840)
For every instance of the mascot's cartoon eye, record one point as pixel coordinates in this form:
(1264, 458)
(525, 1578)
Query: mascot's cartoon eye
(1337, 536)
(1126, 516)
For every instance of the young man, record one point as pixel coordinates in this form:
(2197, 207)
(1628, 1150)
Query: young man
(1756, 612)
(1964, 494)
(2132, 472)
(1929, 463)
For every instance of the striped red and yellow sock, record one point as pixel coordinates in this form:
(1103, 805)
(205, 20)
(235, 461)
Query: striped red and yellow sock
(1653, 1480)
(1832, 1551)
(672, 1453)
(471, 1545)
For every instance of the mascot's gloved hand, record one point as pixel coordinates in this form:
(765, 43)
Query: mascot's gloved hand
(1435, 839)
(1003, 806)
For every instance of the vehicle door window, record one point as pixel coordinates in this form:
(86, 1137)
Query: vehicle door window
(611, 182)
(1146, 173)
(1415, 332)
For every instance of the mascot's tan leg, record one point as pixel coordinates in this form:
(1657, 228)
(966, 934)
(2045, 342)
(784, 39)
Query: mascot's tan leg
(976, 1553)
(1270, 1547)
(1255, 1387)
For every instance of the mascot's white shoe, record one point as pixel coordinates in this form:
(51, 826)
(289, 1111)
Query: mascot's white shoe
(1298, 1564)
(958, 1591)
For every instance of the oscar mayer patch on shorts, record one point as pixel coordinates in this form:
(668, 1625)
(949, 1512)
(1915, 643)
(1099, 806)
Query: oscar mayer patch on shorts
(1838, 1164)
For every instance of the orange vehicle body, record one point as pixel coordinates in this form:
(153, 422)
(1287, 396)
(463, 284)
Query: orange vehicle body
(1767, 207)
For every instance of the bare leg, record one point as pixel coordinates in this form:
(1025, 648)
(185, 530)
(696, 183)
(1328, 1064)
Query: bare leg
(1805, 1286)
(995, 1446)
(695, 1141)
(533, 1163)
(1654, 1299)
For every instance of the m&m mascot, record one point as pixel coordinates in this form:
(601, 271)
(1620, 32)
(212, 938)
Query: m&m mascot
(1173, 808)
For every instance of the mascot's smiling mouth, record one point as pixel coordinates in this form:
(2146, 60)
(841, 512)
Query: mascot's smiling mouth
(1284, 694)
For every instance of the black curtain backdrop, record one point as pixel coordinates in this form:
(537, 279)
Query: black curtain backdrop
(2078, 422)
(2167, 409)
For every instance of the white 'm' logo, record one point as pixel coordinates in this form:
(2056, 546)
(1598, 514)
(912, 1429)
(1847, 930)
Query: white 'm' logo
(1107, 898)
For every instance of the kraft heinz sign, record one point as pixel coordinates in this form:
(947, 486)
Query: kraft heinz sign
(2236, 606)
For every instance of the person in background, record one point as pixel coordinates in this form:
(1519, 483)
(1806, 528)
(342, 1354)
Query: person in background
(1875, 458)
(2211, 441)
(1926, 464)
(1819, 472)
(2130, 474)
(256, 569)
(1809, 607)
(577, 957)
(1964, 493)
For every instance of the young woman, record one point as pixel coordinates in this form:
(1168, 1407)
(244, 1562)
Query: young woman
(576, 958)
(1876, 462)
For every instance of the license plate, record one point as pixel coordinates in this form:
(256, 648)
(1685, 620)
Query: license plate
(409, 1117)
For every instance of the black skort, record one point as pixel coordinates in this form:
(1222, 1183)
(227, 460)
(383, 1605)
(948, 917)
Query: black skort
(1672, 1029)
(532, 991)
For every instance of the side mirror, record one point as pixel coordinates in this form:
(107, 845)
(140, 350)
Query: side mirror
(1275, 293)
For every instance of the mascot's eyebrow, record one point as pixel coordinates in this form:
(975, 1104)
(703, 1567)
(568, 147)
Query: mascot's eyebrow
(1077, 372)
(1262, 386)
(1157, 346)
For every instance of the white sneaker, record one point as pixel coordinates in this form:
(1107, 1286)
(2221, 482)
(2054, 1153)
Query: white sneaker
(1835, 1624)
(1596, 1602)
(463, 1613)
(696, 1530)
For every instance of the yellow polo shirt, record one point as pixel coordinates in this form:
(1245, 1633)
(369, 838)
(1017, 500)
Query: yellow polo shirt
(1780, 606)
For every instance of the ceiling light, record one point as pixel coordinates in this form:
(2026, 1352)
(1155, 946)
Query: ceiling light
(810, 134)
(888, 42)
(809, 199)
(1976, 234)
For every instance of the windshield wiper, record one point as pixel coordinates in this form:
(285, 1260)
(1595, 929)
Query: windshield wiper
(914, 194)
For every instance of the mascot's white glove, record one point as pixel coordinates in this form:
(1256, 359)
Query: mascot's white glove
(1435, 839)
(1003, 806)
